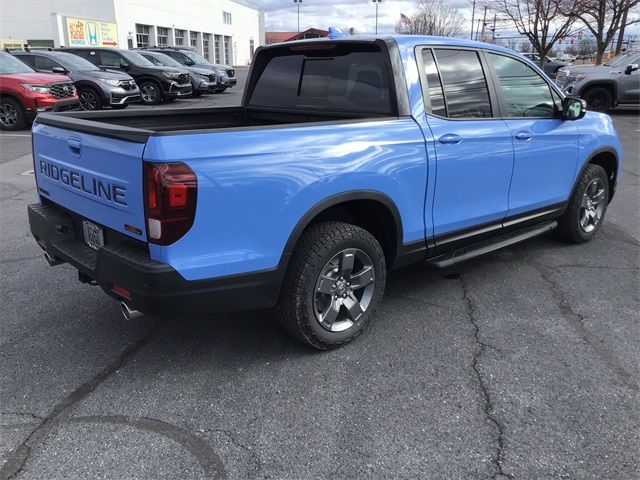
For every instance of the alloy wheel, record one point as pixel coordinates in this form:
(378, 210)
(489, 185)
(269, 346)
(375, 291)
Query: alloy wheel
(344, 290)
(8, 115)
(88, 100)
(149, 93)
(593, 203)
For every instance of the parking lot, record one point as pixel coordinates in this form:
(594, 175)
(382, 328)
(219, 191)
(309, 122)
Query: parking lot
(521, 364)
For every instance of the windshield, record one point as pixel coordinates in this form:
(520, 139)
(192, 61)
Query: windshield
(196, 58)
(9, 64)
(136, 59)
(622, 60)
(74, 62)
(162, 59)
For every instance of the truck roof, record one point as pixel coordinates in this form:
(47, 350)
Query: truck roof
(407, 41)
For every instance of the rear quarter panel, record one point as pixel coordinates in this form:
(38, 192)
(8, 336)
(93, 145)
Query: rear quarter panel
(255, 185)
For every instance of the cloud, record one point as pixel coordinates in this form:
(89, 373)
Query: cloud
(281, 15)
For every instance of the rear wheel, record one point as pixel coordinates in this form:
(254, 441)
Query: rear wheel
(334, 282)
(12, 115)
(151, 92)
(587, 206)
(89, 99)
(599, 99)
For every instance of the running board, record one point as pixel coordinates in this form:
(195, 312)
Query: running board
(486, 246)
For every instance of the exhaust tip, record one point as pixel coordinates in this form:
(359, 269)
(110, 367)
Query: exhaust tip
(128, 313)
(52, 260)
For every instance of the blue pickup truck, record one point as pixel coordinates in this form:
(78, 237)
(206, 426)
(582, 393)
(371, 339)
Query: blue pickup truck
(347, 158)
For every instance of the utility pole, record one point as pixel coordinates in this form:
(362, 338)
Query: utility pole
(493, 30)
(484, 23)
(298, 2)
(377, 2)
(473, 15)
(478, 29)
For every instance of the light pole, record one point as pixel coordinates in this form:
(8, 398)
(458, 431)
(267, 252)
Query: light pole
(298, 2)
(377, 2)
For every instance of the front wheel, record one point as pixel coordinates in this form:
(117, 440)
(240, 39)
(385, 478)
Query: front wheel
(12, 115)
(335, 280)
(587, 206)
(89, 99)
(599, 99)
(151, 93)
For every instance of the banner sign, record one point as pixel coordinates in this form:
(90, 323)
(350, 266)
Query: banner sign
(91, 33)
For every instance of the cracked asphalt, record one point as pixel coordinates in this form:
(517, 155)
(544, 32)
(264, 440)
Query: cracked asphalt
(522, 364)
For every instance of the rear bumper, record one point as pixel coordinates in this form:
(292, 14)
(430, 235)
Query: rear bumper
(156, 288)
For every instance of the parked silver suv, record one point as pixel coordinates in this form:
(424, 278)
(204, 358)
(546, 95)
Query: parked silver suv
(614, 83)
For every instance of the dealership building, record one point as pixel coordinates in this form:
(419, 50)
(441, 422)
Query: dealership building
(223, 31)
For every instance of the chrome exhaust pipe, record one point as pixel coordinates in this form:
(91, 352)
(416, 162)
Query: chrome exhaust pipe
(52, 260)
(128, 313)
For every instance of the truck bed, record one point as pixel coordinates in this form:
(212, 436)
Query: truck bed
(138, 125)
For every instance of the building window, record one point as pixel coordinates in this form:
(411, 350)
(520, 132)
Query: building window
(206, 45)
(228, 58)
(179, 37)
(163, 36)
(217, 45)
(143, 33)
(193, 39)
(226, 16)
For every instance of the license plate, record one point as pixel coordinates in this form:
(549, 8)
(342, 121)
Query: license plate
(93, 234)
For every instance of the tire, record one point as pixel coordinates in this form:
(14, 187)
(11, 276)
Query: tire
(583, 217)
(220, 90)
(151, 92)
(89, 99)
(599, 99)
(196, 93)
(12, 116)
(316, 306)
(119, 107)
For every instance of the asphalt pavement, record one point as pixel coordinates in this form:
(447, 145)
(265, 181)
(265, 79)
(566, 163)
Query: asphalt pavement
(522, 364)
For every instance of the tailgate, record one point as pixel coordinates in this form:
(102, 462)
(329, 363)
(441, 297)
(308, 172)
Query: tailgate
(97, 177)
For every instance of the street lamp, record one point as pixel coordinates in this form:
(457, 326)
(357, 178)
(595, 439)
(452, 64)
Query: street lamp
(377, 2)
(298, 2)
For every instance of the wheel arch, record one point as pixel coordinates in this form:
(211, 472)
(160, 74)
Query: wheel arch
(13, 97)
(608, 84)
(369, 209)
(607, 158)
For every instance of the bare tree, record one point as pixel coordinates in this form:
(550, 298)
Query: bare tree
(604, 19)
(543, 22)
(436, 17)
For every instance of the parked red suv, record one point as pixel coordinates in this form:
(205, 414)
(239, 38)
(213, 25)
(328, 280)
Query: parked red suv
(24, 93)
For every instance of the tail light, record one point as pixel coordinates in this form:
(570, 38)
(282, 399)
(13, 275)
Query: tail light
(170, 196)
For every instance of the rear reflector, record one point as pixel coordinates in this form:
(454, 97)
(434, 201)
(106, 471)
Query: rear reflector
(123, 292)
(170, 201)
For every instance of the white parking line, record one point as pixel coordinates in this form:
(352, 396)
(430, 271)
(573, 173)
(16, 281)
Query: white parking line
(28, 172)
(15, 135)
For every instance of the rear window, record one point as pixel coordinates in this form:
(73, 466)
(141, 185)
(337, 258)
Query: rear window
(327, 79)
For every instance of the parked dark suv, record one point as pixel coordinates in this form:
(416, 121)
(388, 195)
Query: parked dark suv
(156, 83)
(96, 88)
(202, 80)
(189, 58)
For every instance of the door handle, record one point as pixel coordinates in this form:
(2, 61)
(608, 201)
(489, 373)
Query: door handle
(450, 138)
(74, 145)
(523, 136)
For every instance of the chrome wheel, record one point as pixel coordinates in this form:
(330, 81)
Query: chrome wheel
(149, 93)
(88, 100)
(593, 203)
(8, 115)
(344, 290)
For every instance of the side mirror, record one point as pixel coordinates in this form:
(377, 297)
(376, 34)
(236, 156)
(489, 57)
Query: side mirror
(188, 62)
(573, 108)
(61, 70)
(631, 68)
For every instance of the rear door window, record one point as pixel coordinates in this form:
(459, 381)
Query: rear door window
(465, 86)
(355, 81)
(28, 59)
(45, 63)
(110, 59)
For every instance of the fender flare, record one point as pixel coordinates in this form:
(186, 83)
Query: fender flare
(331, 201)
(594, 154)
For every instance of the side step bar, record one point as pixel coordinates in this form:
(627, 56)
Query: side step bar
(480, 248)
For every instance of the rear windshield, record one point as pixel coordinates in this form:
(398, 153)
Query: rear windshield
(331, 78)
